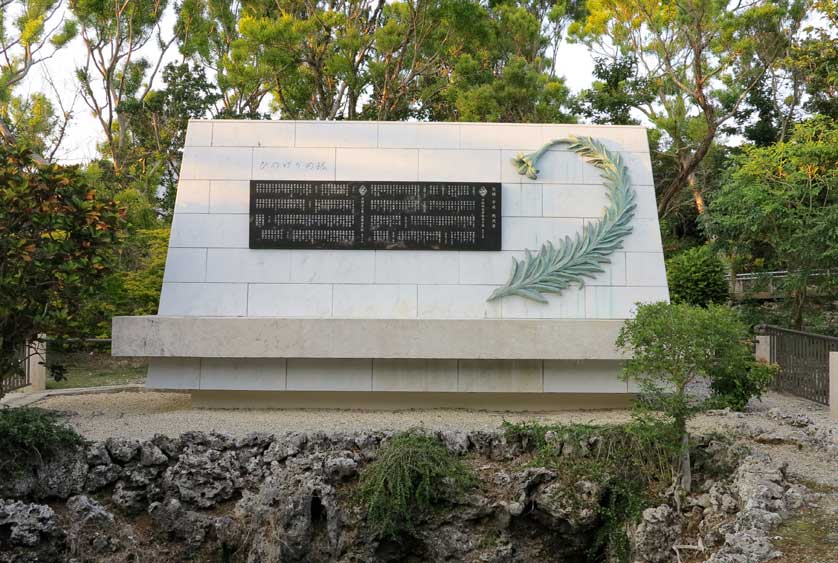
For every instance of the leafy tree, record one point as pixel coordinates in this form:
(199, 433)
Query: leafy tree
(30, 33)
(700, 60)
(779, 210)
(674, 345)
(113, 31)
(31, 121)
(157, 125)
(207, 31)
(617, 88)
(57, 239)
(697, 277)
(369, 59)
(803, 79)
(813, 59)
(133, 286)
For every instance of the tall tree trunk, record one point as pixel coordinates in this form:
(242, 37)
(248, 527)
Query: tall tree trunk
(698, 197)
(687, 168)
(798, 304)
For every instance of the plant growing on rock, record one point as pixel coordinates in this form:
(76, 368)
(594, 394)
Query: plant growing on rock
(412, 473)
(673, 347)
(30, 435)
(629, 463)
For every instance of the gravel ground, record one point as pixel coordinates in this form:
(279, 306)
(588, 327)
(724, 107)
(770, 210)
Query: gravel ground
(141, 415)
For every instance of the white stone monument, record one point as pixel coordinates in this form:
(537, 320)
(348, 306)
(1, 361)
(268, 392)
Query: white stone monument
(303, 327)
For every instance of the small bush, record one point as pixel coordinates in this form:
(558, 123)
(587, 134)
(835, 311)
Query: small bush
(30, 435)
(412, 473)
(696, 277)
(735, 384)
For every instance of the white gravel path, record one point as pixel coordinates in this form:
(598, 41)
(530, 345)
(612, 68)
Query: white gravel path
(141, 415)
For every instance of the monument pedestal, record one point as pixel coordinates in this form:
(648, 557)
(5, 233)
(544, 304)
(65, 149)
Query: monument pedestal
(263, 304)
(379, 363)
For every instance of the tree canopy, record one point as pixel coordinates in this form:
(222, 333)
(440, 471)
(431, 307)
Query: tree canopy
(728, 92)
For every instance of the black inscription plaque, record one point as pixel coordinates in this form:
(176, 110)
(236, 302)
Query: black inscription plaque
(375, 215)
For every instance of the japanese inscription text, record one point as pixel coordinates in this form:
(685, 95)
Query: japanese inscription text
(375, 215)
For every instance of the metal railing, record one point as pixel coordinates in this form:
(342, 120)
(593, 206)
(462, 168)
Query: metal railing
(20, 377)
(803, 358)
(765, 284)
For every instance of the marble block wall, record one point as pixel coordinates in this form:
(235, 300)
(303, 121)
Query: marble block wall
(211, 272)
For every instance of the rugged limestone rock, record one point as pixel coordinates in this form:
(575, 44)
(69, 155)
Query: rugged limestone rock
(25, 524)
(657, 532)
(297, 502)
(61, 476)
(203, 476)
(128, 500)
(182, 524)
(759, 484)
(100, 476)
(150, 454)
(290, 498)
(92, 531)
(97, 454)
(122, 449)
(576, 505)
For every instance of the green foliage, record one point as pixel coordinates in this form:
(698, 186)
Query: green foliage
(157, 124)
(361, 59)
(133, 288)
(779, 208)
(696, 277)
(675, 344)
(26, 38)
(57, 238)
(29, 435)
(687, 93)
(740, 380)
(812, 59)
(411, 475)
(631, 461)
(33, 122)
(615, 91)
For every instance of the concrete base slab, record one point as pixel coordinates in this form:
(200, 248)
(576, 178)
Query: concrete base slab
(347, 400)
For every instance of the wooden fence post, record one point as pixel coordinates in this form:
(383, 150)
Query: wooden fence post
(37, 365)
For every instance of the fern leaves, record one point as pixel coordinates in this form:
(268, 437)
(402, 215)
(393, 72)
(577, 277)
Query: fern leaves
(556, 267)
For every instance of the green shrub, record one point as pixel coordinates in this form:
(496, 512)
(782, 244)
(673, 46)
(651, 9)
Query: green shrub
(676, 345)
(411, 474)
(29, 435)
(742, 379)
(696, 277)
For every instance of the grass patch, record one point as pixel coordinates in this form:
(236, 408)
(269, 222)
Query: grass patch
(98, 377)
(30, 435)
(811, 536)
(818, 487)
(633, 461)
(412, 474)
